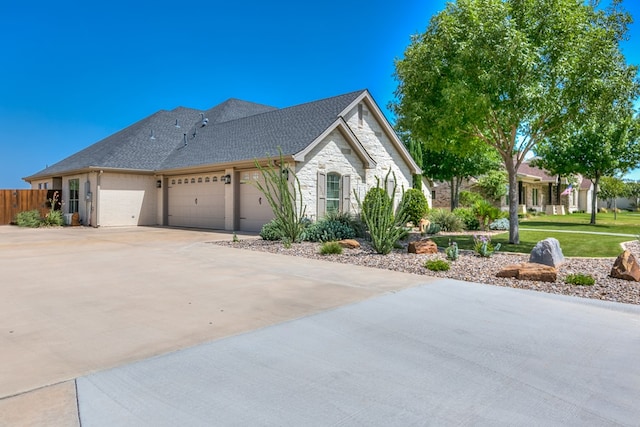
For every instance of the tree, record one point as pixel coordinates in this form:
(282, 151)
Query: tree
(610, 189)
(448, 164)
(633, 192)
(493, 185)
(509, 73)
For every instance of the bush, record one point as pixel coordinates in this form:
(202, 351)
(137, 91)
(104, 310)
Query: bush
(468, 198)
(328, 230)
(447, 221)
(486, 213)
(433, 229)
(271, 231)
(437, 265)
(29, 219)
(467, 216)
(415, 205)
(499, 224)
(53, 218)
(331, 248)
(580, 279)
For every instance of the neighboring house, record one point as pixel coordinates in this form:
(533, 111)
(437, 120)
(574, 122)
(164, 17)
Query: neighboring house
(537, 191)
(193, 168)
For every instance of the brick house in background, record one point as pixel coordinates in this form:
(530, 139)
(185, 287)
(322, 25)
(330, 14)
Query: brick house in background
(538, 191)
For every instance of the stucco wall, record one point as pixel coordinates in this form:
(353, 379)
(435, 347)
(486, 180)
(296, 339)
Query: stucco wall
(127, 199)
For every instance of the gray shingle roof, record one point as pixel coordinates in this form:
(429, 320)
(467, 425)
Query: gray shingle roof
(237, 130)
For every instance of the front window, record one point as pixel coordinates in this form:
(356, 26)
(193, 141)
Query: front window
(74, 187)
(333, 192)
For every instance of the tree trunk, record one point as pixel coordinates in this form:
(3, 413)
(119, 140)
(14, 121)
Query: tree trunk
(514, 233)
(594, 200)
(455, 192)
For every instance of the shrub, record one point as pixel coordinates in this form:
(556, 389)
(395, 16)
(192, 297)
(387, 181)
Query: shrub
(346, 218)
(499, 224)
(385, 227)
(467, 216)
(53, 218)
(433, 229)
(271, 231)
(483, 246)
(285, 199)
(485, 212)
(452, 251)
(447, 221)
(580, 279)
(329, 248)
(468, 198)
(437, 265)
(29, 219)
(327, 230)
(415, 205)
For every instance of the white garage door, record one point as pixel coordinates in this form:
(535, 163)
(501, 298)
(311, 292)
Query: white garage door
(196, 201)
(254, 207)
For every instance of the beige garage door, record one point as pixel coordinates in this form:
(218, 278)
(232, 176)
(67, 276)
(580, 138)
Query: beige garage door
(196, 201)
(254, 207)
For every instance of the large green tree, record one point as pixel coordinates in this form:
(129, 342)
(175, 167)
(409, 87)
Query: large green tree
(509, 73)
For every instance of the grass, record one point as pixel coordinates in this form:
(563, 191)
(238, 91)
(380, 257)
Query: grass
(572, 244)
(626, 223)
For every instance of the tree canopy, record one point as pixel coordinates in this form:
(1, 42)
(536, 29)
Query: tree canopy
(507, 73)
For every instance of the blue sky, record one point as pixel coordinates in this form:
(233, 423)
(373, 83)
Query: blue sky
(72, 73)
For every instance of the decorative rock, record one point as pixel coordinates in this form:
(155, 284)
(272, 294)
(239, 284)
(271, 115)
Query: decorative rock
(349, 243)
(423, 247)
(547, 252)
(626, 267)
(529, 271)
(423, 225)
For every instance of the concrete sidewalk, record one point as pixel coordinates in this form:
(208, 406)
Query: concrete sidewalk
(449, 353)
(81, 300)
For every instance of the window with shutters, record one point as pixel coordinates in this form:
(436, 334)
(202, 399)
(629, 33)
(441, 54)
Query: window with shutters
(333, 192)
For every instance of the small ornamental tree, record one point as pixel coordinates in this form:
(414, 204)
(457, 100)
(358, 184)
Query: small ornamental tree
(284, 197)
(415, 205)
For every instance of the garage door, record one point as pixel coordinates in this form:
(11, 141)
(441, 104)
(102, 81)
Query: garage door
(254, 207)
(196, 201)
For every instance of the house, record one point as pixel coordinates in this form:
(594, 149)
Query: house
(192, 168)
(538, 191)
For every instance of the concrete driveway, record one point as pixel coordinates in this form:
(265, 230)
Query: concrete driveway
(80, 300)
(157, 327)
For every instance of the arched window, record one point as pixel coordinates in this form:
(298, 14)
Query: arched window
(333, 192)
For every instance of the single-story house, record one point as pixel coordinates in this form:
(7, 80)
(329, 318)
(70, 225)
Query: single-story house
(192, 168)
(538, 191)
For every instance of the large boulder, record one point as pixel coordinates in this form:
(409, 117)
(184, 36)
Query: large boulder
(547, 252)
(423, 247)
(626, 267)
(529, 271)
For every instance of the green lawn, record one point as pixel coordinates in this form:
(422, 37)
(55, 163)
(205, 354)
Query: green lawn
(626, 223)
(572, 244)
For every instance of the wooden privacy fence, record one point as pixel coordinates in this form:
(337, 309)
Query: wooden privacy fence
(14, 201)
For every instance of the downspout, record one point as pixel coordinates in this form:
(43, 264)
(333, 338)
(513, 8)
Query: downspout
(98, 198)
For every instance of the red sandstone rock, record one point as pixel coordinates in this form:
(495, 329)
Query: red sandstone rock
(626, 267)
(423, 247)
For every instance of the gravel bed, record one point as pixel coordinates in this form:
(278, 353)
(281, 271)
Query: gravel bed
(472, 268)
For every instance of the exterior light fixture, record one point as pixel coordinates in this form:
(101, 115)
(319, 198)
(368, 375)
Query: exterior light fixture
(227, 179)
